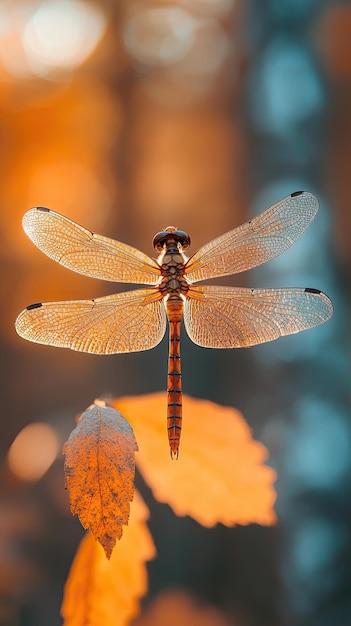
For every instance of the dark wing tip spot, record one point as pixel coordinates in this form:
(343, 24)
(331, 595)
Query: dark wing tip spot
(43, 208)
(311, 290)
(36, 305)
(296, 193)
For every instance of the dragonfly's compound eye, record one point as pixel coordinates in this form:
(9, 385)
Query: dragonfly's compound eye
(160, 240)
(183, 239)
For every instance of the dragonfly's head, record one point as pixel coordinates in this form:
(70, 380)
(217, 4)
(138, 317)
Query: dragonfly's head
(171, 235)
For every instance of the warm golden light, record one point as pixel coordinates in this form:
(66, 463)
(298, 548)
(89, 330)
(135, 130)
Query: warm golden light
(33, 451)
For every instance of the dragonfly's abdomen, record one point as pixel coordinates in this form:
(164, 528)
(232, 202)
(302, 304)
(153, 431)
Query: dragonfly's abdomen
(174, 381)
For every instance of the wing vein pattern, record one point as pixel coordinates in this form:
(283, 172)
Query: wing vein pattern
(87, 253)
(122, 322)
(230, 317)
(257, 241)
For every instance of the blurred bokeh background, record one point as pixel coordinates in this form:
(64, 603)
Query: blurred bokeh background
(127, 116)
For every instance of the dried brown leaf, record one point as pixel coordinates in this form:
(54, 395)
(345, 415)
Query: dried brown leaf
(99, 471)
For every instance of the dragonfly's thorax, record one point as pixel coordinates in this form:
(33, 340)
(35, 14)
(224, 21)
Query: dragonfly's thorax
(172, 263)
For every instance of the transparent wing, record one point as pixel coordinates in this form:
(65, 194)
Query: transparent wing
(229, 317)
(259, 240)
(123, 322)
(85, 252)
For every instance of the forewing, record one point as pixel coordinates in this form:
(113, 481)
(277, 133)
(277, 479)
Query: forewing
(124, 322)
(229, 317)
(85, 252)
(259, 240)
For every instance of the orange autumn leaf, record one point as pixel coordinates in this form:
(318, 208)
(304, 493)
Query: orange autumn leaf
(99, 471)
(176, 608)
(220, 475)
(106, 593)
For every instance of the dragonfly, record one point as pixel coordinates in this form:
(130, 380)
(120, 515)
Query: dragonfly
(214, 316)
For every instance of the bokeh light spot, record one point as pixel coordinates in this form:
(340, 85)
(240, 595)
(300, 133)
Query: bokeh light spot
(159, 36)
(287, 89)
(62, 34)
(315, 546)
(33, 451)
